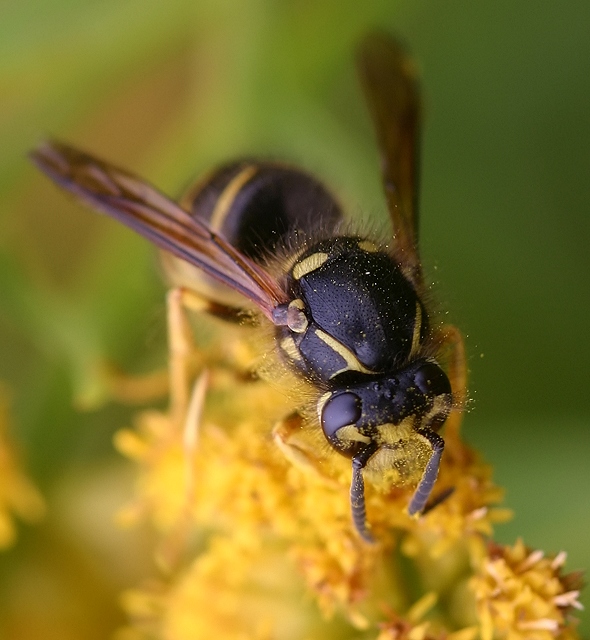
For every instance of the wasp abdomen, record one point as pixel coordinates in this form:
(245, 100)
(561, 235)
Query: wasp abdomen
(257, 205)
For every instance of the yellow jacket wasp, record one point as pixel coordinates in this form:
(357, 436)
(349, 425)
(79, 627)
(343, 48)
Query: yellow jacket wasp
(348, 311)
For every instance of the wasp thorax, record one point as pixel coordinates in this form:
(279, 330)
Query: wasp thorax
(352, 309)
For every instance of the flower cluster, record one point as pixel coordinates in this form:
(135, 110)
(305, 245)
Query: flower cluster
(255, 537)
(521, 594)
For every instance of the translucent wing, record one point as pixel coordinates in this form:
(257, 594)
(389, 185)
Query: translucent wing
(143, 208)
(391, 89)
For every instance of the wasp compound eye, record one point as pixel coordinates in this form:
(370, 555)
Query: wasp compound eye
(340, 410)
(431, 380)
(434, 384)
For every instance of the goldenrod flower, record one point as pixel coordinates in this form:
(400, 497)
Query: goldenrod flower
(256, 544)
(521, 594)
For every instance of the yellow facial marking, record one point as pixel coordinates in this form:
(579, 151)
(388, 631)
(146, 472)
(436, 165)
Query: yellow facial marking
(352, 363)
(391, 434)
(290, 348)
(441, 405)
(309, 264)
(228, 195)
(424, 439)
(368, 246)
(417, 327)
(350, 433)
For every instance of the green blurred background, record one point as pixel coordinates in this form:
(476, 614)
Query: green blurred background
(168, 89)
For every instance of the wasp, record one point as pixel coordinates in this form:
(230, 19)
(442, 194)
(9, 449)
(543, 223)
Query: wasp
(348, 312)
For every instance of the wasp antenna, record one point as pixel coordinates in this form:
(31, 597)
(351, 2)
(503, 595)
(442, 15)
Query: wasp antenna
(357, 502)
(430, 474)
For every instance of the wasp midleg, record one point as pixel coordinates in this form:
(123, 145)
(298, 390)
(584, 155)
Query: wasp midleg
(258, 206)
(452, 340)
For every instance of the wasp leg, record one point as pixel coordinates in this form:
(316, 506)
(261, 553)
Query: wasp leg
(181, 344)
(191, 432)
(181, 347)
(173, 546)
(284, 434)
(287, 436)
(438, 499)
(134, 389)
(428, 478)
(357, 493)
(452, 339)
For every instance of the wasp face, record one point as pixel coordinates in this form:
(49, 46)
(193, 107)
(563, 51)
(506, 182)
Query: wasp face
(371, 412)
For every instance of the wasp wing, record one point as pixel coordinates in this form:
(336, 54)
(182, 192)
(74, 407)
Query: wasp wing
(143, 208)
(391, 89)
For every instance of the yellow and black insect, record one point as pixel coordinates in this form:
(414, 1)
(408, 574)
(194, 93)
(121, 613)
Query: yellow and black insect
(348, 311)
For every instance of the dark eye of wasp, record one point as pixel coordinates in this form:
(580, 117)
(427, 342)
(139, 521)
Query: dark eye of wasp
(430, 379)
(339, 411)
